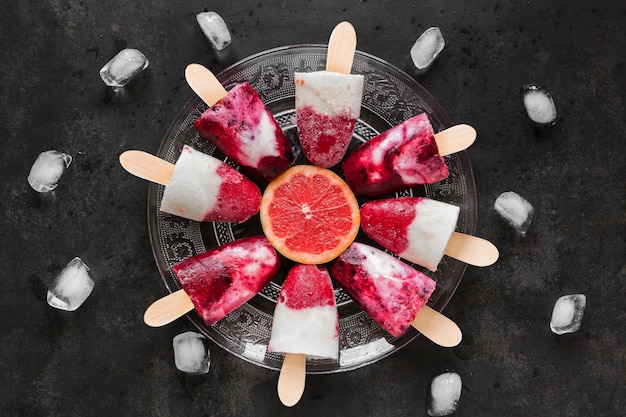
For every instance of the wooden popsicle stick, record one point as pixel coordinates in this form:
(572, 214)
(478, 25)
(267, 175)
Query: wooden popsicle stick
(147, 166)
(204, 84)
(437, 327)
(291, 379)
(455, 139)
(168, 309)
(341, 48)
(472, 250)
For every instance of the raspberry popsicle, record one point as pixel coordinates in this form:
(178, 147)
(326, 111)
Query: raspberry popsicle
(415, 228)
(422, 230)
(328, 103)
(217, 281)
(390, 291)
(305, 319)
(240, 126)
(203, 188)
(306, 324)
(404, 156)
(199, 187)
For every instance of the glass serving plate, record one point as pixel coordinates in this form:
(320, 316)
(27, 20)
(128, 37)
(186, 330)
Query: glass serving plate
(390, 96)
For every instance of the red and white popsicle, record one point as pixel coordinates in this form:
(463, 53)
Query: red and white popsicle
(404, 156)
(239, 125)
(198, 187)
(217, 281)
(422, 230)
(328, 103)
(392, 293)
(305, 324)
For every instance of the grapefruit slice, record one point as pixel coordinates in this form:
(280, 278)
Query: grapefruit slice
(309, 214)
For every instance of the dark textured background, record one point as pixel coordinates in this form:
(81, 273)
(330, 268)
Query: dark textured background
(103, 361)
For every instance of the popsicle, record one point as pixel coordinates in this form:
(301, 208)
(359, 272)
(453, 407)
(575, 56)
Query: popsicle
(328, 103)
(217, 281)
(239, 125)
(422, 230)
(392, 293)
(305, 319)
(305, 324)
(199, 187)
(404, 156)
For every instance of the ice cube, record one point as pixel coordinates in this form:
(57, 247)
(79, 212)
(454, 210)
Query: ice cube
(47, 169)
(71, 287)
(427, 48)
(567, 314)
(123, 67)
(215, 29)
(445, 392)
(515, 210)
(539, 105)
(191, 353)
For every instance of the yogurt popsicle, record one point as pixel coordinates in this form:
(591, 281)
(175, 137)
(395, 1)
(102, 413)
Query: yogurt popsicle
(415, 228)
(400, 158)
(223, 278)
(305, 318)
(328, 104)
(242, 128)
(388, 290)
(203, 188)
(306, 324)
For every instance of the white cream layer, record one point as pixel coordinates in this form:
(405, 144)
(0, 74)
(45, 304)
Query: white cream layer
(194, 185)
(429, 232)
(311, 331)
(260, 141)
(329, 93)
